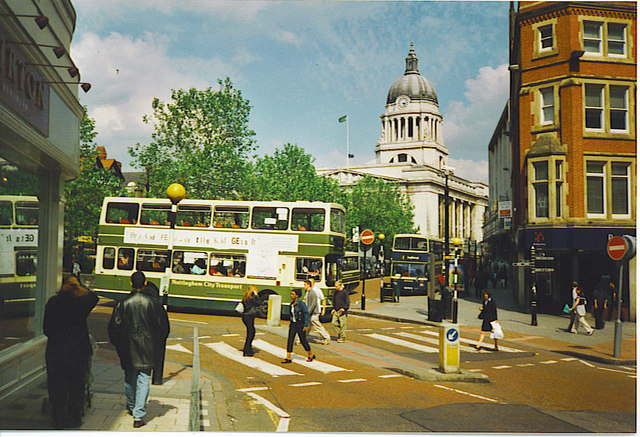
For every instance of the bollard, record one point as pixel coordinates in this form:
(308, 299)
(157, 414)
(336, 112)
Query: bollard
(449, 345)
(274, 309)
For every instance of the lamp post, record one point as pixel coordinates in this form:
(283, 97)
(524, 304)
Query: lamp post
(446, 171)
(175, 193)
(454, 302)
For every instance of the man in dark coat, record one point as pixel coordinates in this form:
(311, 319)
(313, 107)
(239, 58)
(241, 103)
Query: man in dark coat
(600, 302)
(138, 328)
(68, 351)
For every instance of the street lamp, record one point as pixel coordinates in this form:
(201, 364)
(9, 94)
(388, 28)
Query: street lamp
(446, 171)
(175, 193)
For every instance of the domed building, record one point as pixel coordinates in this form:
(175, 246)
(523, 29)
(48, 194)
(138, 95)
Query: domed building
(411, 151)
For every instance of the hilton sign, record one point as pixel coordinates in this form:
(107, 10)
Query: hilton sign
(22, 88)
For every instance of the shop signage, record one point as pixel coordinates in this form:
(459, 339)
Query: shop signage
(22, 88)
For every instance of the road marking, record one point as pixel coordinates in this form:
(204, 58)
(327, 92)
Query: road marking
(570, 359)
(628, 368)
(614, 370)
(285, 418)
(255, 363)
(352, 380)
(467, 393)
(403, 343)
(305, 384)
(585, 363)
(244, 390)
(475, 370)
(530, 337)
(230, 335)
(390, 376)
(525, 365)
(501, 367)
(188, 321)
(473, 342)
(548, 362)
(433, 341)
(179, 348)
(280, 352)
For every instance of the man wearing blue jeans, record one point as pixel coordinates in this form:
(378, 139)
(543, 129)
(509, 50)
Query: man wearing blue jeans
(138, 328)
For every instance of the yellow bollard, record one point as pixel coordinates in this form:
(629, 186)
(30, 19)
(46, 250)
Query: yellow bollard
(449, 346)
(274, 309)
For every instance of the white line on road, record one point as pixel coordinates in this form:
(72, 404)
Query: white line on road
(285, 418)
(188, 321)
(403, 343)
(255, 363)
(525, 365)
(244, 390)
(390, 376)
(467, 393)
(614, 370)
(473, 342)
(501, 367)
(280, 352)
(434, 341)
(179, 348)
(352, 380)
(585, 363)
(548, 362)
(570, 359)
(305, 384)
(230, 335)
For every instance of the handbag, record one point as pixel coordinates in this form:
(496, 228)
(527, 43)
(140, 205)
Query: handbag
(566, 309)
(497, 330)
(240, 307)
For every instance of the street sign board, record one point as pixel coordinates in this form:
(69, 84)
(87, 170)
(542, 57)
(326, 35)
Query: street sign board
(367, 237)
(544, 258)
(523, 264)
(543, 270)
(616, 248)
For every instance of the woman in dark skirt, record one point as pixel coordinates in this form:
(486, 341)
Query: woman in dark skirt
(488, 314)
(251, 302)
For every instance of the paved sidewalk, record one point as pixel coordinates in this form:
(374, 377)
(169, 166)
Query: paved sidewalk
(550, 333)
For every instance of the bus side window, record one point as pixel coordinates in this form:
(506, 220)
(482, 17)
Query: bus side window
(6, 213)
(236, 217)
(109, 258)
(26, 263)
(193, 215)
(27, 213)
(124, 213)
(270, 218)
(125, 258)
(308, 268)
(152, 260)
(307, 219)
(155, 215)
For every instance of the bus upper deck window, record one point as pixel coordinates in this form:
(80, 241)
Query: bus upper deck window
(27, 213)
(236, 217)
(307, 219)
(123, 213)
(155, 214)
(6, 213)
(338, 223)
(193, 215)
(270, 218)
(109, 258)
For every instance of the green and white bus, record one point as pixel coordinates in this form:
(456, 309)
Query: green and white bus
(18, 254)
(218, 248)
(350, 270)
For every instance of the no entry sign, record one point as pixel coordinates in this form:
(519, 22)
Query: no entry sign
(367, 237)
(617, 248)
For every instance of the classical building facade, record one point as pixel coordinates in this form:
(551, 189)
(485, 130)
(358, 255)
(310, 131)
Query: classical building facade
(40, 119)
(411, 152)
(571, 129)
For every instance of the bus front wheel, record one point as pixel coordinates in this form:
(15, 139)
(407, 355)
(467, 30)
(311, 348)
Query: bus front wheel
(263, 309)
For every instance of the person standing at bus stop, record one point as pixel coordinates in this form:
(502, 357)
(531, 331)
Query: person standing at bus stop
(298, 325)
(138, 328)
(314, 299)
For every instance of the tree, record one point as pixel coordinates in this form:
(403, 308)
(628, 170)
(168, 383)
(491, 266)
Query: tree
(201, 139)
(289, 175)
(380, 206)
(85, 194)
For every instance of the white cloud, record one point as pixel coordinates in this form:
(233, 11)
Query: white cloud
(468, 126)
(475, 171)
(127, 74)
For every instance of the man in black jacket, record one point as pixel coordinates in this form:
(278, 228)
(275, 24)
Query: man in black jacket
(138, 328)
(339, 312)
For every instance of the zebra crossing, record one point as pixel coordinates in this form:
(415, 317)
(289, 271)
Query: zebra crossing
(421, 340)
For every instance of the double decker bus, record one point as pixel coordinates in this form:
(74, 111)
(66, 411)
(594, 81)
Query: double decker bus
(350, 270)
(18, 254)
(415, 262)
(218, 249)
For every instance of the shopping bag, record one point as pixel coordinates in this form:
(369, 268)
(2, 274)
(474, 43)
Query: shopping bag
(497, 330)
(240, 308)
(566, 309)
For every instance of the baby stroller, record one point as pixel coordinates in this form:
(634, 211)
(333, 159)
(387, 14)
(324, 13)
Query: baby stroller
(88, 383)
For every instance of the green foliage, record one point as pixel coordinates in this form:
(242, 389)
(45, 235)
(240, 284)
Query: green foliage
(85, 194)
(201, 140)
(380, 206)
(289, 175)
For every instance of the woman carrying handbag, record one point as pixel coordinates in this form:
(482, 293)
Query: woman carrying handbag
(250, 303)
(488, 314)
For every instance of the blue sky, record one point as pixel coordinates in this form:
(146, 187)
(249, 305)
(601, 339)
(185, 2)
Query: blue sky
(301, 64)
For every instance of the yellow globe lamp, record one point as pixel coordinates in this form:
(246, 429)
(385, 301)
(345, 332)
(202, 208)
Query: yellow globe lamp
(456, 241)
(381, 236)
(176, 193)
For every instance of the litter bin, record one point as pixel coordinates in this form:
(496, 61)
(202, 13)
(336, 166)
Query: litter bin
(447, 296)
(435, 309)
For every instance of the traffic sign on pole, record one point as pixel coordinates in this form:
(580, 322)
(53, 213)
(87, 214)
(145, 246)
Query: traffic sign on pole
(616, 248)
(367, 237)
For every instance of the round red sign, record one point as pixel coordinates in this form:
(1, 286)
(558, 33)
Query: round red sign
(616, 248)
(367, 237)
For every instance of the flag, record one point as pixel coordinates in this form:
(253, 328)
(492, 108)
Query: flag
(342, 119)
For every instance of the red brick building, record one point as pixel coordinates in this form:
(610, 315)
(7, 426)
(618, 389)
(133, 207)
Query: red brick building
(572, 126)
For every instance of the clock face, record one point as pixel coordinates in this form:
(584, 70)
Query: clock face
(402, 102)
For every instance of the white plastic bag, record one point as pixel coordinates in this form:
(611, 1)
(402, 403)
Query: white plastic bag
(240, 308)
(497, 330)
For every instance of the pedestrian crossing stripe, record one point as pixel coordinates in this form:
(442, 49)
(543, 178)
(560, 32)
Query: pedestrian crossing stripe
(298, 359)
(179, 348)
(434, 341)
(234, 354)
(463, 340)
(400, 342)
